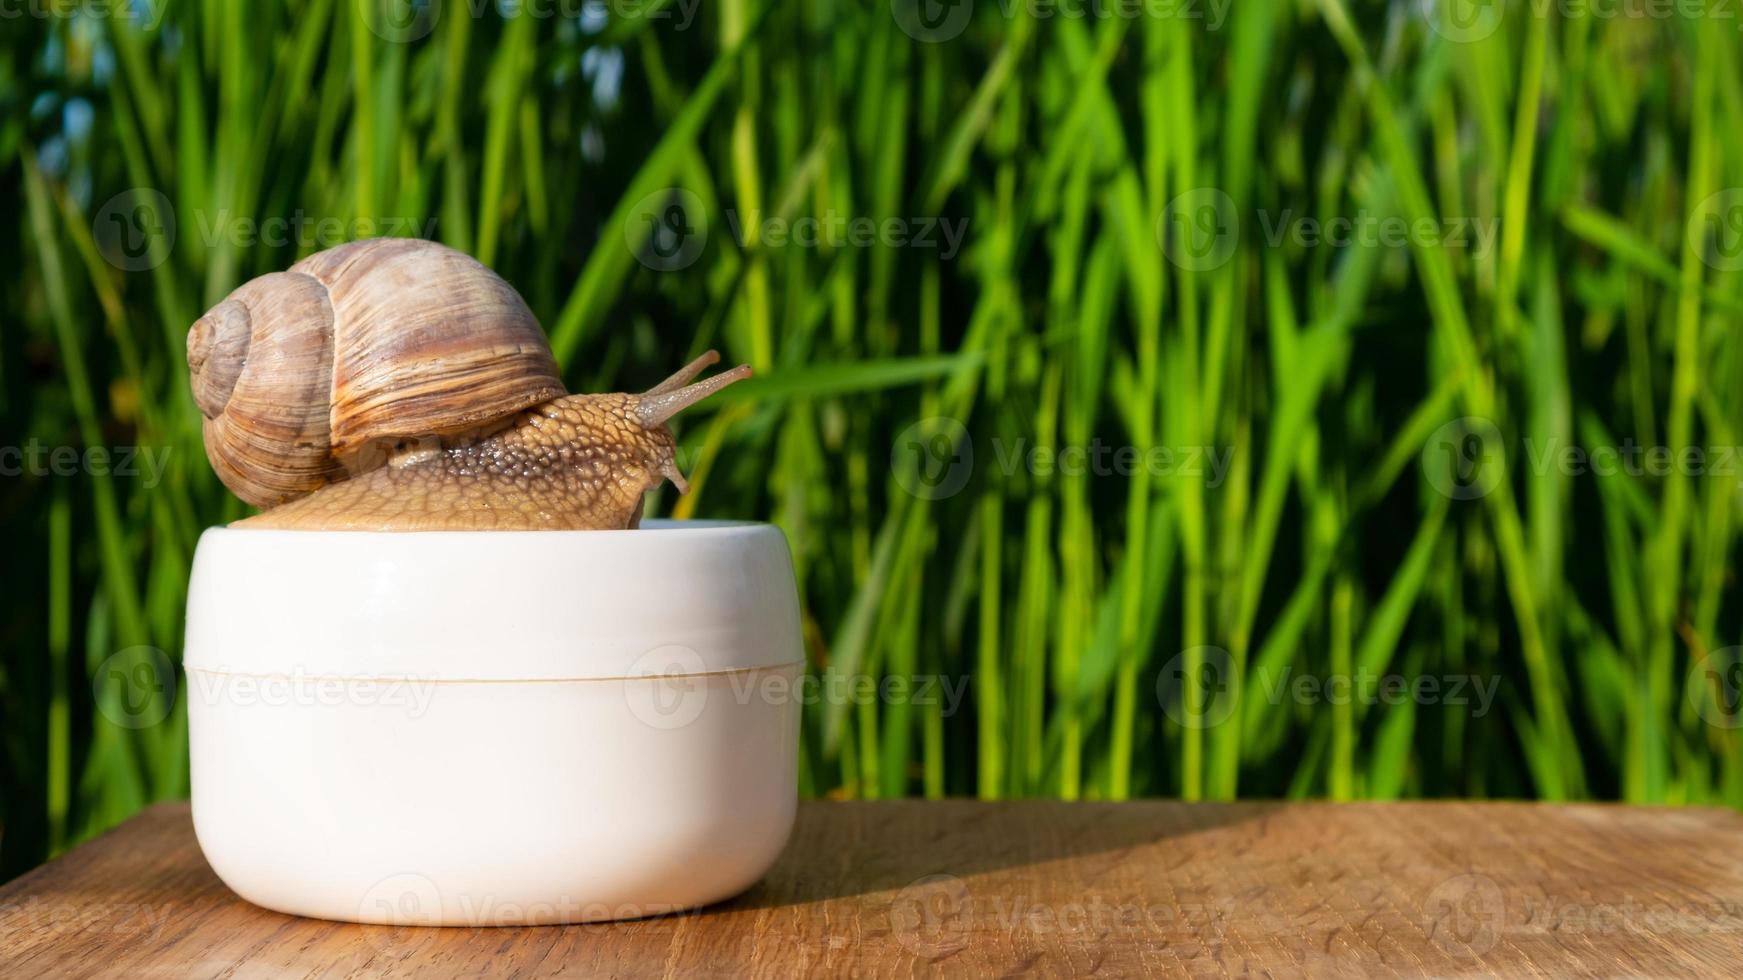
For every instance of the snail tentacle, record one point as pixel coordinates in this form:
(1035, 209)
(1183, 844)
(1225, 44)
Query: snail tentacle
(658, 409)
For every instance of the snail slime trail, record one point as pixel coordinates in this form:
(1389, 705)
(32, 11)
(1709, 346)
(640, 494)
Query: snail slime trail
(399, 385)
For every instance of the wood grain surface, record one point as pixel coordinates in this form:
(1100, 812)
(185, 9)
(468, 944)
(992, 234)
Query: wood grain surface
(905, 888)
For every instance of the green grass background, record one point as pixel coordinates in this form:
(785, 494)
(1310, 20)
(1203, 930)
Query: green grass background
(1081, 607)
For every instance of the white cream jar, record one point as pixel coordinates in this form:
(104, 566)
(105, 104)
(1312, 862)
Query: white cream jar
(493, 728)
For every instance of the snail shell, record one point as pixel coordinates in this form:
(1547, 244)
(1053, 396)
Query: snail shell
(305, 377)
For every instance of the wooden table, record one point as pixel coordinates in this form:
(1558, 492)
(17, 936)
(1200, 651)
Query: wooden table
(959, 887)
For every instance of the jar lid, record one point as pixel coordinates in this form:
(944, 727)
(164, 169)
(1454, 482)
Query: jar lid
(672, 597)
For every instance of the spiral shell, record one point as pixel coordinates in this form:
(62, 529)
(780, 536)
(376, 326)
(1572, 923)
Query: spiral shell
(302, 376)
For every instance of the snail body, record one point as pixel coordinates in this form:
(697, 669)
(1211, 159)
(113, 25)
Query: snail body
(397, 384)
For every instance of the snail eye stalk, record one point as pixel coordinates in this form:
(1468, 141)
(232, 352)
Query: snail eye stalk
(685, 374)
(655, 410)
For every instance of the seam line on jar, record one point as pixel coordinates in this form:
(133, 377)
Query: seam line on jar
(493, 680)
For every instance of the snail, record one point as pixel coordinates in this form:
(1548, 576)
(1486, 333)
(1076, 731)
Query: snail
(397, 384)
